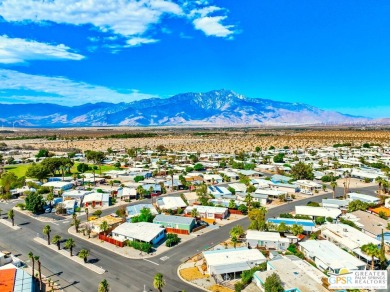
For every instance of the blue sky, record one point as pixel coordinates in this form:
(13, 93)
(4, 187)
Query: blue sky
(330, 54)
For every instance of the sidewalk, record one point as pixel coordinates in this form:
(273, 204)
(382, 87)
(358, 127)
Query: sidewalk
(74, 258)
(9, 224)
(127, 251)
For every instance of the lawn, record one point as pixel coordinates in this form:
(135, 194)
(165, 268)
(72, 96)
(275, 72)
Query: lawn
(104, 168)
(18, 169)
(21, 169)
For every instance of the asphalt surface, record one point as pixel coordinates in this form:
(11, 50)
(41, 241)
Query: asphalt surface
(122, 274)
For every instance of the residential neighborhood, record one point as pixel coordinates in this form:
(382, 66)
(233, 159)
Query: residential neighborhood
(292, 216)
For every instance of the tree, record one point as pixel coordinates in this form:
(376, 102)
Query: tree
(70, 244)
(302, 171)
(76, 223)
(198, 167)
(104, 286)
(234, 241)
(57, 240)
(194, 213)
(279, 158)
(248, 200)
(7, 180)
(382, 253)
(42, 153)
(82, 167)
(237, 231)
(296, 229)
(273, 284)
(333, 185)
(232, 204)
(144, 216)
(257, 218)
(36, 258)
(203, 197)
(371, 250)
(31, 257)
(83, 254)
(38, 171)
(46, 231)
(243, 209)
(95, 156)
(11, 216)
(320, 220)
(282, 228)
(158, 282)
(87, 212)
(104, 227)
(34, 202)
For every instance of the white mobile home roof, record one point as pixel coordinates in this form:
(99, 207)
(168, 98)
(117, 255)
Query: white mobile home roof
(143, 231)
(170, 203)
(273, 193)
(363, 198)
(207, 209)
(331, 254)
(233, 260)
(348, 236)
(317, 211)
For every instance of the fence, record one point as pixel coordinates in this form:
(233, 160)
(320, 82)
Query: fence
(110, 240)
(236, 212)
(177, 231)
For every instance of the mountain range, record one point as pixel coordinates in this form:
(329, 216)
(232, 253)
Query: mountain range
(214, 108)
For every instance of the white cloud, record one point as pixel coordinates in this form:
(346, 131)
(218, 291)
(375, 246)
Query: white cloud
(16, 50)
(59, 90)
(211, 25)
(133, 20)
(137, 41)
(128, 18)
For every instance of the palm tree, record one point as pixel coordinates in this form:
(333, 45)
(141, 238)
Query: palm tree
(170, 172)
(379, 180)
(333, 185)
(104, 227)
(46, 231)
(1, 212)
(140, 192)
(57, 240)
(104, 286)
(371, 250)
(234, 240)
(70, 244)
(248, 200)
(31, 257)
(11, 216)
(194, 213)
(159, 282)
(77, 225)
(39, 270)
(87, 212)
(83, 254)
(50, 198)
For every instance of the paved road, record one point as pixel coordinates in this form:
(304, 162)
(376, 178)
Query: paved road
(123, 274)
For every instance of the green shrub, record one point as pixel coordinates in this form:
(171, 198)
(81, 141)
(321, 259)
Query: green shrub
(172, 240)
(142, 246)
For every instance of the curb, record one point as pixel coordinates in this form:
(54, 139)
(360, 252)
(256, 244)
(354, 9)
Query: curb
(9, 224)
(91, 267)
(189, 283)
(111, 250)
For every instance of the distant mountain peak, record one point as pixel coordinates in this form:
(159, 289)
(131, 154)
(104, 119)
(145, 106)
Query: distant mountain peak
(221, 107)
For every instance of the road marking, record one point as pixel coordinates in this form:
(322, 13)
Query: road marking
(164, 258)
(151, 262)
